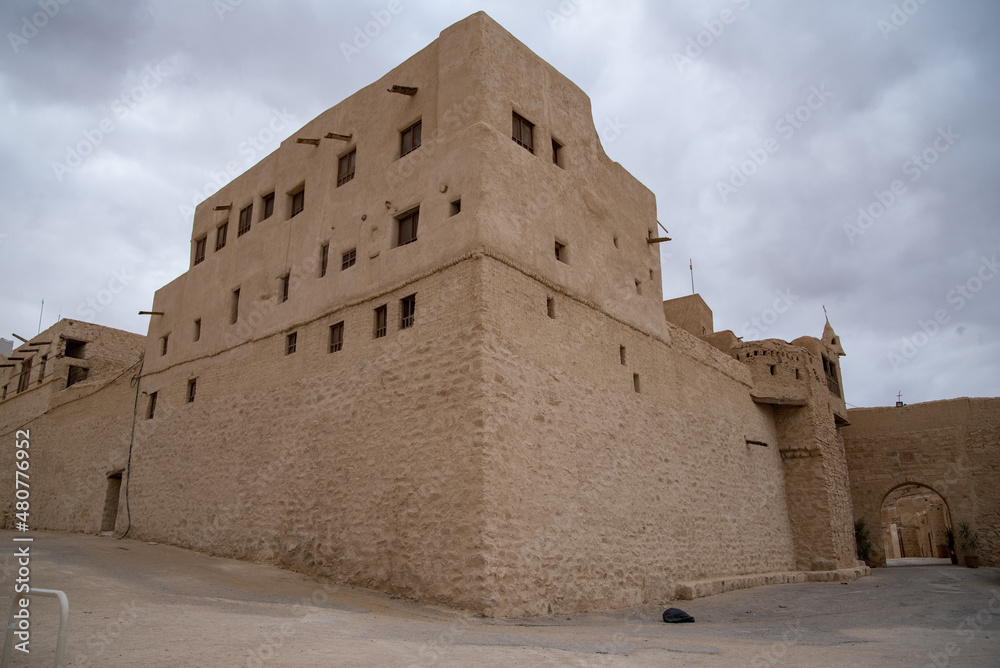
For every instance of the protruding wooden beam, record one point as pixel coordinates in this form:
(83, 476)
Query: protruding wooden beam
(17, 336)
(40, 343)
(751, 441)
(304, 140)
(656, 240)
(224, 207)
(334, 135)
(403, 90)
(151, 313)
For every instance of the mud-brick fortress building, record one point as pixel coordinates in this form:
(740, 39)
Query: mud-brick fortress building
(423, 348)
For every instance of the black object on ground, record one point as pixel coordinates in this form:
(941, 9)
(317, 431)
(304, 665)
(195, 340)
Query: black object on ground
(676, 616)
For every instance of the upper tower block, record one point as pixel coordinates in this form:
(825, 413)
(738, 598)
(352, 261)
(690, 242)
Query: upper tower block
(474, 144)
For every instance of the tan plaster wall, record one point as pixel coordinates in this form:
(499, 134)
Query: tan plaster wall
(79, 434)
(952, 447)
(606, 497)
(362, 465)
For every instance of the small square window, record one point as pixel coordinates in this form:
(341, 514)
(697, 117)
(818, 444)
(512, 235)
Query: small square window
(523, 132)
(336, 337)
(298, 202)
(345, 167)
(220, 236)
(407, 311)
(199, 250)
(246, 213)
(556, 153)
(163, 344)
(324, 259)
(381, 314)
(75, 349)
(234, 306)
(151, 406)
(268, 202)
(409, 139)
(290, 342)
(456, 207)
(561, 253)
(408, 228)
(192, 384)
(76, 375)
(197, 329)
(348, 259)
(283, 288)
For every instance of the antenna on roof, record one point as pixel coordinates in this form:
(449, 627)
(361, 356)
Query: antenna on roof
(826, 315)
(40, 312)
(691, 267)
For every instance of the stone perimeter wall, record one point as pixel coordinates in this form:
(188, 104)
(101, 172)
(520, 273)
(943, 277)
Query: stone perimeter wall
(952, 447)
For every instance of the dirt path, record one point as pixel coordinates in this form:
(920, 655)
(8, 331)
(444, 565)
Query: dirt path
(134, 604)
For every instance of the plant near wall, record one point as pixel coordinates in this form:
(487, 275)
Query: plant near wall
(950, 537)
(970, 543)
(862, 541)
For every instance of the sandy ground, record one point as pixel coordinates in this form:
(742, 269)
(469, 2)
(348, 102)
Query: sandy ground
(136, 604)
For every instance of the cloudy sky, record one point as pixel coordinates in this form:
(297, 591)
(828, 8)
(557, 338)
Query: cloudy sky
(803, 155)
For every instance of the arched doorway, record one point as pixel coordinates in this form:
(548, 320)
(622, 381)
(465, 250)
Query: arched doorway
(914, 524)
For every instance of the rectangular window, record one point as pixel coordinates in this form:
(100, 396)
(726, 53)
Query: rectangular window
(380, 320)
(324, 259)
(550, 306)
(220, 236)
(151, 406)
(76, 374)
(408, 228)
(561, 252)
(199, 250)
(4, 393)
(163, 344)
(25, 377)
(290, 342)
(556, 153)
(75, 349)
(348, 259)
(41, 369)
(234, 306)
(197, 329)
(638, 288)
(407, 310)
(246, 214)
(283, 288)
(336, 337)
(635, 382)
(298, 202)
(345, 168)
(192, 383)
(522, 132)
(621, 354)
(409, 139)
(268, 201)
(456, 207)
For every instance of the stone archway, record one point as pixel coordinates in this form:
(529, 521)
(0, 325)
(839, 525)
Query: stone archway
(914, 519)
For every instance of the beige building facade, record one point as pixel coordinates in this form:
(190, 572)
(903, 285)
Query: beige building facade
(947, 450)
(422, 347)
